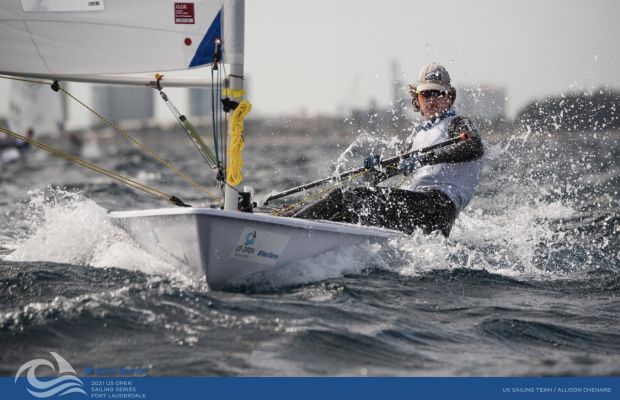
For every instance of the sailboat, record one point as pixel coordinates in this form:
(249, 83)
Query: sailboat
(33, 109)
(119, 42)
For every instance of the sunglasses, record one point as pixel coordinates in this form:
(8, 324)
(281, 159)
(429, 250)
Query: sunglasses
(427, 94)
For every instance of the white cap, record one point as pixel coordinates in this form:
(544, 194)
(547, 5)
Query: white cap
(433, 77)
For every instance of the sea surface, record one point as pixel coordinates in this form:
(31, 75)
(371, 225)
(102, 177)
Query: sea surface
(527, 284)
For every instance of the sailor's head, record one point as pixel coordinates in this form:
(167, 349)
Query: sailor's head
(433, 93)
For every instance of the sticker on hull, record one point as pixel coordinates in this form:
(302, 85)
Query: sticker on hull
(260, 246)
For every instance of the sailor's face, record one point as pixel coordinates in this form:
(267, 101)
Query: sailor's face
(433, 103)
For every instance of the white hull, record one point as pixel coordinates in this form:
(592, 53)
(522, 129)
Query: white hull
(228, 245)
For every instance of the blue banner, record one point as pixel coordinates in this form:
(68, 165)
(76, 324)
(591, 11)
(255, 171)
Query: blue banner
(155, 388)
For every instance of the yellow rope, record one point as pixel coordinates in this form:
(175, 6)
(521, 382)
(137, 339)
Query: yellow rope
(111, 174)
(136, 142)
(235, 93)
(235, 158)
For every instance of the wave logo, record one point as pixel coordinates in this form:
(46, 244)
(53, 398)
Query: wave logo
(67, 381)
(250, 238)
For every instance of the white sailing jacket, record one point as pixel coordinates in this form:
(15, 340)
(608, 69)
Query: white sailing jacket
(454, 170)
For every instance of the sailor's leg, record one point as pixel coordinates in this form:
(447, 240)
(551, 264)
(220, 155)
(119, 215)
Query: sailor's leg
(380, 206)
(352, 205)
(402, 210)
(397, 209)
(367, 205)
(430, 210)
(328, 208)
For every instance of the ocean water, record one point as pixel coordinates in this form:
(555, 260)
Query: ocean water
(527, 284)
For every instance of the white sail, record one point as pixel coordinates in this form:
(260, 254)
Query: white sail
(34, 106)
(102, 37)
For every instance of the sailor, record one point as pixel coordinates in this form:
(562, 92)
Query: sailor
(440, 183)
(17, 144)
(24, 146)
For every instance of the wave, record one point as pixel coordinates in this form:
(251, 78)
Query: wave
(65, 227)
(548, 335)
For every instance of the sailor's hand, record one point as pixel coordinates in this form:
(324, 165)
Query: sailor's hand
(411, 164)
(372, 161)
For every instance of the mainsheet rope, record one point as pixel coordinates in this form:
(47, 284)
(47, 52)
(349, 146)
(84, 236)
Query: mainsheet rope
(290, 207)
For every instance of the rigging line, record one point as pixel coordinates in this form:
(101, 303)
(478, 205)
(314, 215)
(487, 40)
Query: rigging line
(93, 167)
(223, 121)
(216, 116)
(190, 131)
(24, 80)
(224, 134)
(219, 131)
(226, 128)
(221, 116)
(223, 83)
(225, 139)
(145, 148)
(215, 124)
(214, 106)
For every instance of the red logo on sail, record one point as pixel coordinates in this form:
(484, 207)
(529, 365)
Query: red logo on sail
(184, 13)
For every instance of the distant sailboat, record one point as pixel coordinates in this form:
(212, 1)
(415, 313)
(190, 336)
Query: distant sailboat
(8, 153)
(36, 107)
(35, 110)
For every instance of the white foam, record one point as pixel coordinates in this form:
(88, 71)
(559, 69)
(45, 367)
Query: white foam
(507, 243)
(332, 264)
(65, 227)
(418, 253)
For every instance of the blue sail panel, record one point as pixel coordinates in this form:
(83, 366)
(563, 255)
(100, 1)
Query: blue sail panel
(206, 49)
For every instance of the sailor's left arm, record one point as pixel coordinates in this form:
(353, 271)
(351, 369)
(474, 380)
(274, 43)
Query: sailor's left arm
(468, 150)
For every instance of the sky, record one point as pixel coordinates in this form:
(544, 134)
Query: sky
(328, 56)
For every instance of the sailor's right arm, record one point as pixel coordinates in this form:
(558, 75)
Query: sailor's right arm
(468, 150)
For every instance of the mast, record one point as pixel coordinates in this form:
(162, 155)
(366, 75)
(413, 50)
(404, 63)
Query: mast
(233, 54)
